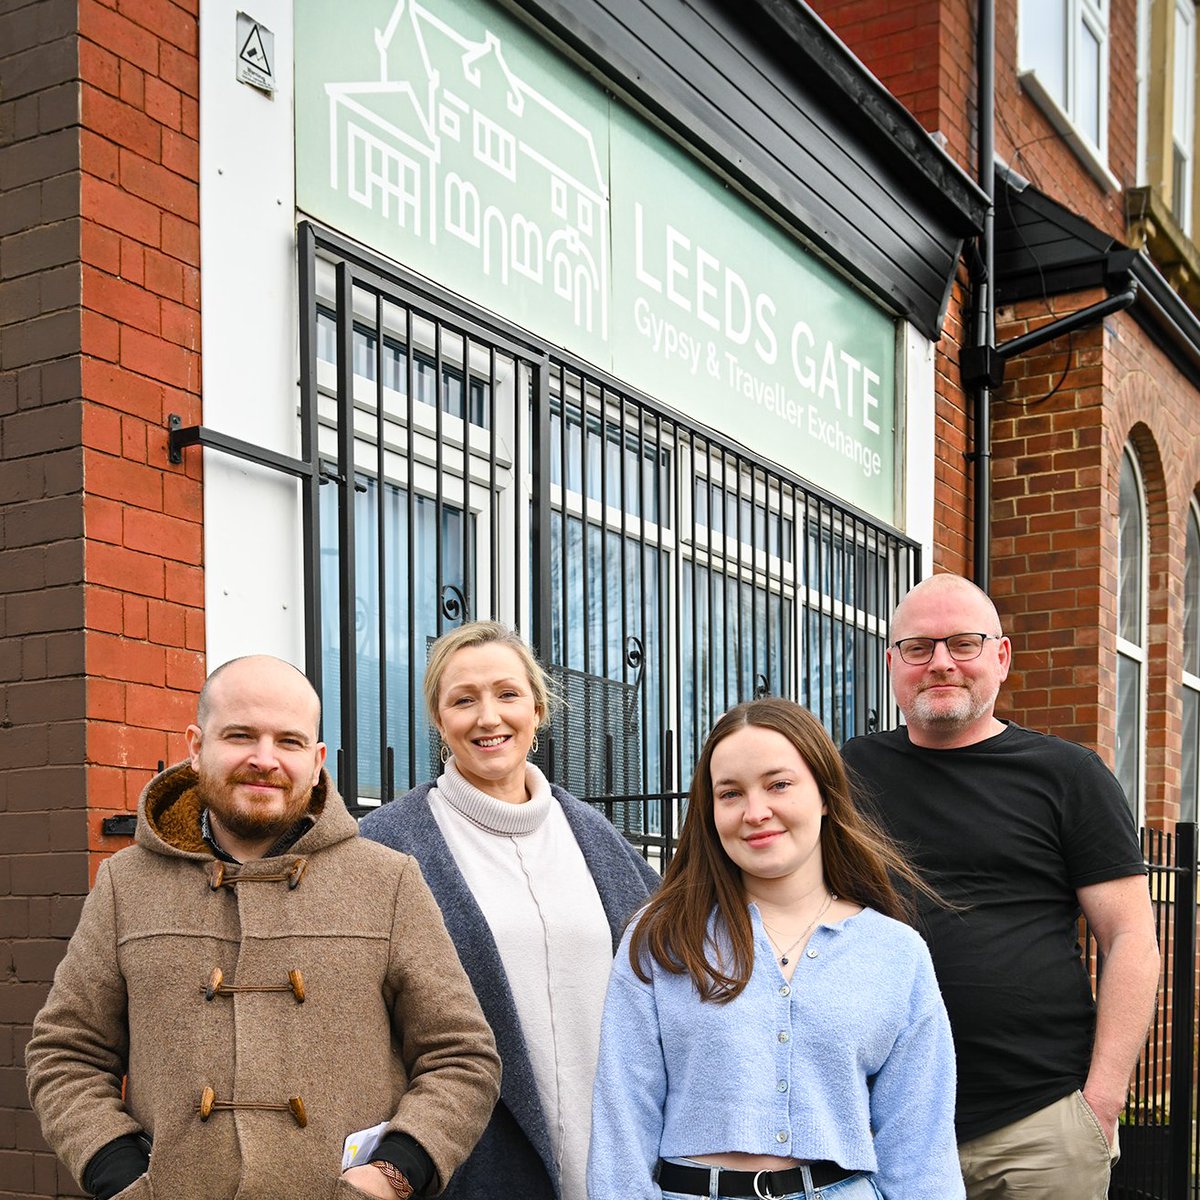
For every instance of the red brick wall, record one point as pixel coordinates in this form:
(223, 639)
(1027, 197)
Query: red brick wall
(899, 41)
(1027, 140)
(953, 488)
(1056, 459)
(1053, 548)
(43, 862)
(139, 75)
(1153, 408)
(1058, 463)
(923, 52)
(101, 586)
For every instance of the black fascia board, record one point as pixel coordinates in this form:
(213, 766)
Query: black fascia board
(1044, 249)
(1165, 316)
(898, 134)
(733, 84)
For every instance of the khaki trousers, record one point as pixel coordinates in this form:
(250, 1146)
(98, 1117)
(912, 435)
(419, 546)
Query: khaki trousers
(1057, 1153)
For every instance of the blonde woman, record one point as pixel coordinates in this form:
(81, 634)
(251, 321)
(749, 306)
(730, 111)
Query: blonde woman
(535, 888)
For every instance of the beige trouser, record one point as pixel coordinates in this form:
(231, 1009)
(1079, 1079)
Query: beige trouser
(1057, 1153)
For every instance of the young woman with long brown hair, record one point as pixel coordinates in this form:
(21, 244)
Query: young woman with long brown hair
(773, 1028)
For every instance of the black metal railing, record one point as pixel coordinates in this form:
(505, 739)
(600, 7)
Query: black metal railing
(661, 571)
(1158, 1129)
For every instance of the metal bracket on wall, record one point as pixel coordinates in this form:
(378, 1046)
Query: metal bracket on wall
(125, 824)
(985, 364)
(180, 436)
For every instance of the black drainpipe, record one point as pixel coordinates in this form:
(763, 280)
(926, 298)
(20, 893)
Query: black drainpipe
(981, 364)
(985, 308)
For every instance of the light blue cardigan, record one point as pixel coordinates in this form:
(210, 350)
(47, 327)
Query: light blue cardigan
(851, 1062)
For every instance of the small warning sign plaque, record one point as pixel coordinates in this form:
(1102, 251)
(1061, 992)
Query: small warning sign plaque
(255, 53)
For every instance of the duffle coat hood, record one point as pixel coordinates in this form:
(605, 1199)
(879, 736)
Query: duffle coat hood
(374, 1019)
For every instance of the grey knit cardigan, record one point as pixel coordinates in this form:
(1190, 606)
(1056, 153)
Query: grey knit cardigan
(513, 1157)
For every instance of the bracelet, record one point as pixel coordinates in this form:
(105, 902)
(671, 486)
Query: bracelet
(393, 1175)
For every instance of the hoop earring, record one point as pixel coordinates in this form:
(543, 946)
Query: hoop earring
(444, 754)
(533, 748)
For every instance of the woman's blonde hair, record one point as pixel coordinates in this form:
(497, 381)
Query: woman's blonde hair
(486, 633)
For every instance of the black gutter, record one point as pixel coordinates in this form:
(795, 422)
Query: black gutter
(1172, 325)
(983, 366)
(1068, 324)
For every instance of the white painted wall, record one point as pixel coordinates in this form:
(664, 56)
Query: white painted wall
(252, 525)
(915, 509)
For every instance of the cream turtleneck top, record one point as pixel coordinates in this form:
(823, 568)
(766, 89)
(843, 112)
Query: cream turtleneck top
(531, 882)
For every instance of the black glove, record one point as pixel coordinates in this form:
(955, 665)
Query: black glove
(115, 1166)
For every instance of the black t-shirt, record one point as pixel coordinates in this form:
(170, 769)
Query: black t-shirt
(1007, 829)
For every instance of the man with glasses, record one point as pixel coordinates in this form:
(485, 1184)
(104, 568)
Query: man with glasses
(1019, 832)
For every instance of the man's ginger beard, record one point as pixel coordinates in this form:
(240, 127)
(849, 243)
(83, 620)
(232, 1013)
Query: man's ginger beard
(244, 819)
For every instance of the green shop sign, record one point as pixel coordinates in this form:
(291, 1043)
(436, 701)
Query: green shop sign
(450, 139)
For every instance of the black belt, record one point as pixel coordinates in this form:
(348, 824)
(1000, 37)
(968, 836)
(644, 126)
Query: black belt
(674, 1177)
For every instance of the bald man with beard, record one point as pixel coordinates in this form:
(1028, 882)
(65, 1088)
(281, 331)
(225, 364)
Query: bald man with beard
(1019, 832)
(251, 983)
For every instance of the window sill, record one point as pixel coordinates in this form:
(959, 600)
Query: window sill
(1085, 151)
(1152, 228)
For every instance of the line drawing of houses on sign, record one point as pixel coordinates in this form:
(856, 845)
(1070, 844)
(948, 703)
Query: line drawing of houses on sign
(450, 143)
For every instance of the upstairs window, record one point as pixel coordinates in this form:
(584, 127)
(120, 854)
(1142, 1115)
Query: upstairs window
(1183, 101)
(1064, 65)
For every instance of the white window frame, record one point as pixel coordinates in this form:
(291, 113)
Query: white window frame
(1183, 106)
(1133, 652)
(1143, 91)
(1189, 807)
(1063, 111)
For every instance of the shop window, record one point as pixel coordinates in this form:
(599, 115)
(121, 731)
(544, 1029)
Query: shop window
(848, 568)
(390, 617)
(460, 391)
(430, 414)
(1183, 114)
(1190, 759)
(1131, 631)
(741, 588)
(1064, 66)
(663, 573)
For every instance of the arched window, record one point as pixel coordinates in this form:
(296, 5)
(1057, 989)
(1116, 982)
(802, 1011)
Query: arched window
(1131, 632)
(1190, 758)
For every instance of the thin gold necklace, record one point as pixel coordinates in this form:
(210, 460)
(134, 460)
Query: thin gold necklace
(783, 954)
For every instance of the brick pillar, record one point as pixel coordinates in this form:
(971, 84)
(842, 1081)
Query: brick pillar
(101, 582)
(43, 856)
(1051, 562)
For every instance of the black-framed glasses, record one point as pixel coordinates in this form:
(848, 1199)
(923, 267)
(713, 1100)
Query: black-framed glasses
(962, 647)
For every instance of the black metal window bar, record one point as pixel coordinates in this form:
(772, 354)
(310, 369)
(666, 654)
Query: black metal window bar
(661, 571)
(1157, 1130)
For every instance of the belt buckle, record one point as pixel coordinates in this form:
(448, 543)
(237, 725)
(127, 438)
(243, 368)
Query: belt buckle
(768, 1194)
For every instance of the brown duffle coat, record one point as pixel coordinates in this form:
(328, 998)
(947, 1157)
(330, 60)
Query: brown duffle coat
(388, 1028)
